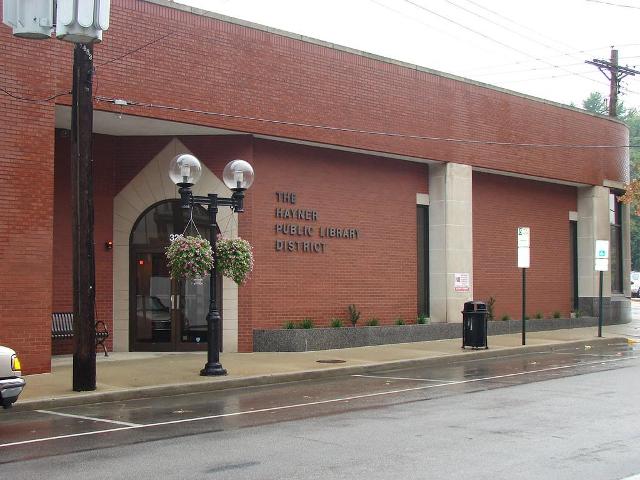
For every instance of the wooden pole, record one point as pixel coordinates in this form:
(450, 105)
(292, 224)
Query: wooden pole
(84, 356)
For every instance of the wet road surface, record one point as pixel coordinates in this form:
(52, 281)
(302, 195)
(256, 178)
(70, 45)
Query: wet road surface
(31, 440)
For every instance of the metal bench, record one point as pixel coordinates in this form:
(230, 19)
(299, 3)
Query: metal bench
(62, 327)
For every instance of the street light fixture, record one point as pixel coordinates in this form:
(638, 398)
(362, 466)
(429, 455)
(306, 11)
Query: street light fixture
(185, 170)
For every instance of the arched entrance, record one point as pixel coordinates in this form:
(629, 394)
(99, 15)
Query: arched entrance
(165, 314)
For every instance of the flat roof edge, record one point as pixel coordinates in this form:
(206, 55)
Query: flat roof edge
(373, 56)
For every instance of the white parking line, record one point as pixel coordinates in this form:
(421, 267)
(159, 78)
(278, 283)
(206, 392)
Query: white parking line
(93, 419)
(308, 404)
(405, 378)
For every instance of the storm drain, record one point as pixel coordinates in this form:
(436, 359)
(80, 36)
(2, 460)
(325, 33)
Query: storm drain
(330, 360)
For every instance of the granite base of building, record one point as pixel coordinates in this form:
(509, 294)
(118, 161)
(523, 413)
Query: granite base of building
(302, 340)
(615, 310)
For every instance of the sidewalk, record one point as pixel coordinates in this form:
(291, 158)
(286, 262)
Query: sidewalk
(124, 375)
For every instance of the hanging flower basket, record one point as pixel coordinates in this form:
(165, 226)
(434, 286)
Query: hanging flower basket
(234, 258)
(189, 257)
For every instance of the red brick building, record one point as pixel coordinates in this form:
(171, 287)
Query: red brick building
(376, 182)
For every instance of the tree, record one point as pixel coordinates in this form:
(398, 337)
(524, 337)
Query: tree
(596, 103)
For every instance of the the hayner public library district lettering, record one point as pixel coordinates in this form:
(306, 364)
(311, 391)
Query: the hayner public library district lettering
(299, 228)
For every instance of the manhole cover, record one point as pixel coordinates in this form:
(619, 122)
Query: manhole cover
(331, 361)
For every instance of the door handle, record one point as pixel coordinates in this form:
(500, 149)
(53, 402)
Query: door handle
(172, 302)
(177, 302)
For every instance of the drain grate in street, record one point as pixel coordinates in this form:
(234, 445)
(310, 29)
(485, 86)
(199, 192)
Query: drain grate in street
(330, 361)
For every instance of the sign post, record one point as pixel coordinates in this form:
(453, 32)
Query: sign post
(524, 260)
(602, 265)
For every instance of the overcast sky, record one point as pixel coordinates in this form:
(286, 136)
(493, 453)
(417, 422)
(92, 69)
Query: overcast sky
(535, 47)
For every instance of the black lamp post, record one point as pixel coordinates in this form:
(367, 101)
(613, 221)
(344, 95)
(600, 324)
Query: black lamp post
(185, 171)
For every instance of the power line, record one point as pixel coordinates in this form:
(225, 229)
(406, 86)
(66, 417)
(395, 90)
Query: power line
(573, 53)
(559, 42)
(121, 102)
(614, 4)
(34, 100)
(136, 49)
(516, 32)
(510, 47)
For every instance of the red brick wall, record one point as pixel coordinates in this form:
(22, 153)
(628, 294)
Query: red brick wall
(376, 272)
(26, 200)
(500, 205)
(104, 156)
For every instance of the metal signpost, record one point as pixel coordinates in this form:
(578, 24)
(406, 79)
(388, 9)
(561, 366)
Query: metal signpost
(524, 257)
(602, 265)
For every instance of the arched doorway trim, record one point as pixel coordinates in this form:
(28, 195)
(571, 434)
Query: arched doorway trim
(150, 186)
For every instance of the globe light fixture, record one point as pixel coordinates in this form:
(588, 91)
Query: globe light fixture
(185, 169)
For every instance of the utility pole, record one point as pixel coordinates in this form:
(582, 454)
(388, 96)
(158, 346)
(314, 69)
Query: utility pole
(84, 278)
(614, 73)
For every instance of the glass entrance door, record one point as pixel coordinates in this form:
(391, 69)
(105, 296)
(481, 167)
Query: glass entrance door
(165, 314)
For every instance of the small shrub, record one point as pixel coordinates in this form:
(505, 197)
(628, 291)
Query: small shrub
(399, 321)
(336, 323)
(306, 323)
(556, 314)
(373, 322)
(289, 326)
(577, 313)
(422, 319)
(354, 314)
(505, 318)
(526, 317)
(538, 315)
(490, 303)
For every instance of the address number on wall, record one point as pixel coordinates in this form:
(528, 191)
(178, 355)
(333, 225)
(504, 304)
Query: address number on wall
(174, 236)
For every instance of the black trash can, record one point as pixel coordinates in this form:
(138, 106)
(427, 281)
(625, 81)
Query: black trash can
(474, 325)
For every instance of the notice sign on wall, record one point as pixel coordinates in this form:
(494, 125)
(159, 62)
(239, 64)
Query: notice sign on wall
(461, 282)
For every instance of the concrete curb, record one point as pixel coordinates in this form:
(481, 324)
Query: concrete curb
(222, 383)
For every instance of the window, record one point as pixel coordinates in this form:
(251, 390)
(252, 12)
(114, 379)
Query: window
(615, 245)
(423, 259)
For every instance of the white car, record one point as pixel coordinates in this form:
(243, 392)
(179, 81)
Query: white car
(11, 381)
(635, 284)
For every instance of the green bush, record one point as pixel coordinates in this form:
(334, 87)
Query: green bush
(373, 322)
(526, 317)
(490, 303)
(556, 314)
(399, 321)
(505, 318)
(422, 319)
(336, 323)
(289, 325)
(354, 314)
(538, 315)
(306, 323)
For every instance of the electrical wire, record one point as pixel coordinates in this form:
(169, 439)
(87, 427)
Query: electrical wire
(614, 4)
(34, 100)
(487, 37)
(136, 49)
(511, 30)
(117, 101)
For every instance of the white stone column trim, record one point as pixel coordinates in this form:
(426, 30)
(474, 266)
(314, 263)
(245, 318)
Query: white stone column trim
(152, 185)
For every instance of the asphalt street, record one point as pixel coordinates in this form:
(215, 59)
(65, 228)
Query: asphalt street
(565, 414)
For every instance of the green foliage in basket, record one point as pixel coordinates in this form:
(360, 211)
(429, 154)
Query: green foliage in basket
(234, 258)
(189, 257)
